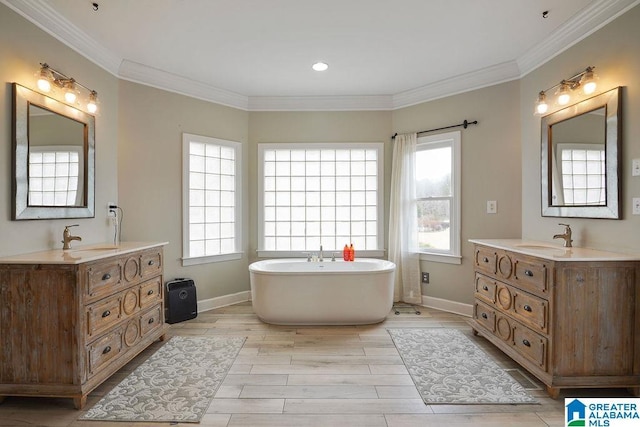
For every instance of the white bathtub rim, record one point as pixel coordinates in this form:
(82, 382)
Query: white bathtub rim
(256, 267)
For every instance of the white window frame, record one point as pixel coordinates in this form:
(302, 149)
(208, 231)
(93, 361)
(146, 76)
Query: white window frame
(187, 259)
(448, 139)
(379, 147)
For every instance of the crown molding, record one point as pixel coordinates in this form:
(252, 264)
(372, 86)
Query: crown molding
(586, 22)
(589, 20)
(478, 79)
(139, 73)
(321, 103)
(42, 15)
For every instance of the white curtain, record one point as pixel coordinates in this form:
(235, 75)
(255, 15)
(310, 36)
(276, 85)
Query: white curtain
(403, 221)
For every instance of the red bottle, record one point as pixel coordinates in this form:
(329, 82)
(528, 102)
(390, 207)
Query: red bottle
(346, 253)
(352, 253)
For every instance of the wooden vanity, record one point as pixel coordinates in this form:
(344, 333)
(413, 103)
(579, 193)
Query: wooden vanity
(569, 316)
(70, 319)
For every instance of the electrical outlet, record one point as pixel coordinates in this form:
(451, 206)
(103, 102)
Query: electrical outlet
(492, 206)
(635, 167)
(112, 210)
(636, 206)
(425, 277)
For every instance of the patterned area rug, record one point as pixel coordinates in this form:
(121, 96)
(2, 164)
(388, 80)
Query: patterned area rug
(447, 368)
(176, 383)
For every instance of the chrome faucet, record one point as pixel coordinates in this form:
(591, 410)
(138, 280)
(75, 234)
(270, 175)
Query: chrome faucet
(320, 257)
(67, 237)
(566, 236)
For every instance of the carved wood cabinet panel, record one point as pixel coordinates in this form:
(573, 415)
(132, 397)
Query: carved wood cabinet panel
(66, 328)
(570, 323)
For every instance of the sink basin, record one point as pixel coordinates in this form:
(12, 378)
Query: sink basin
(526, 246)
(97, 248)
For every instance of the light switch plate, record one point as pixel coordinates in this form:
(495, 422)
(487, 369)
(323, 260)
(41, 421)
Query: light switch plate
(636, 206)
(635, 167)
(492, 206)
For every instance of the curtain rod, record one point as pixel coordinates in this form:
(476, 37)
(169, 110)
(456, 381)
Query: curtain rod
(464, 124)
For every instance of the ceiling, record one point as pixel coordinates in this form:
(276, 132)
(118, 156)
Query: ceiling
(257, 54)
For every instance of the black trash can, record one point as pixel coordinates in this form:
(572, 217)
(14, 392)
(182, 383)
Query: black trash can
(181, 303)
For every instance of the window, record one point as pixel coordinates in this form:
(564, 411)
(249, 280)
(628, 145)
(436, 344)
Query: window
(211, 200)
(320, 194)
(56, 174)
(583, 175)
(438, 197)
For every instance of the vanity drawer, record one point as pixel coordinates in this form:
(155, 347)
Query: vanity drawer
(531, 275)
(103, 350)
(150, 320)
(530, 345)
(486, 259)
(102, 315)
(102, 278)
(531, 310)
(485, 315)
(485, 288)
(151, 263)
(151, 292)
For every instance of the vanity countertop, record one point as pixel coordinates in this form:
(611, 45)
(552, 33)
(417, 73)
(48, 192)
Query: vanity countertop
(79, 254)
(554, 252)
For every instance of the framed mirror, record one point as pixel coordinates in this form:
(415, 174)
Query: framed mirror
(53, 158)
(580, 158)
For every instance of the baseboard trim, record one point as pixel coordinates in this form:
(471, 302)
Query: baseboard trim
(430, 302)
(223, 301)
(447, 305)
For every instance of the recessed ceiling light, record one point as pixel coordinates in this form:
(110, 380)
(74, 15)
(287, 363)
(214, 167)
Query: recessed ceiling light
(320, 66)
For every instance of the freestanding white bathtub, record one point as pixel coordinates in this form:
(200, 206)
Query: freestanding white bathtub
(297, 292)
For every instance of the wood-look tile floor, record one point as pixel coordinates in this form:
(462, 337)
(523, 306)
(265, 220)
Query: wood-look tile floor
(315, 376)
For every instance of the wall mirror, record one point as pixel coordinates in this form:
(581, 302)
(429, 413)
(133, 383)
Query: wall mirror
(53, 158)
(580, 158)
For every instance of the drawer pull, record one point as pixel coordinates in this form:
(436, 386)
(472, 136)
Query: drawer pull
(151, 320)
(528, 273)
(485, 288)
(484, 316)
(527, 308)
(485, 259)
(150, 292)
(106, 314)
(106, 276)
(106, 350)
(526, 342)
(151, 262)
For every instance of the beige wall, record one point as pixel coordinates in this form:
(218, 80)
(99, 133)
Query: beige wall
(615, 52)
(150, 176)
(490, 171)
(138, 154)
(22, 47)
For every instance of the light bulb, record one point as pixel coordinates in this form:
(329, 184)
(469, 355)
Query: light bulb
(70, 91)
(70, 96)
(43, 79)
(563, 94)
(44, 85)
(92, 106)
(541, 103)
(589, 88)
(588, 81)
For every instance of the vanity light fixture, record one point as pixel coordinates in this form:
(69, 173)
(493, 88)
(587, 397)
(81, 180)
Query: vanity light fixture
(49, 78)
(585, 80)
